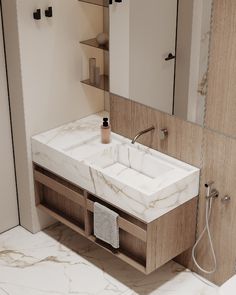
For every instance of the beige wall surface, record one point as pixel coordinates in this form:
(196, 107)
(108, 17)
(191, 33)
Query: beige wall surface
(8, 199)
(46, 63)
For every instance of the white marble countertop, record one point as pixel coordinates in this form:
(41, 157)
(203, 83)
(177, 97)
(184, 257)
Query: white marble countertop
(74, 151)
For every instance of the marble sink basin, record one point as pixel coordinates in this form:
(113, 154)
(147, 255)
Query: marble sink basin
(143, 182)
(141, 178)
(131, 166)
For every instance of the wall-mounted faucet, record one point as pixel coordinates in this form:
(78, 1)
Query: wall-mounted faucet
(163, 133)
(141, 133)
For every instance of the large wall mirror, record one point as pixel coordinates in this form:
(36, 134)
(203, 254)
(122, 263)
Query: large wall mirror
(159, 54)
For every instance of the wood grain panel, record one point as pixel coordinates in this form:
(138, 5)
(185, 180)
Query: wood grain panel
(221, 101)
(184, 140)
(62, 205)
(140, 115)
(120, 109)
(171, 234)
(120, 255)
(59, 188)
(219, 166)
(61, 218)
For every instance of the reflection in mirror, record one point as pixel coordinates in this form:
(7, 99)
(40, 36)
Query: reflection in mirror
(159, 54)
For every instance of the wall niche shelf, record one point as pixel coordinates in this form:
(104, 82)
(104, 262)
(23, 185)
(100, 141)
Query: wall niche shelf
(104, 84)
(104, 3)
(93, 43)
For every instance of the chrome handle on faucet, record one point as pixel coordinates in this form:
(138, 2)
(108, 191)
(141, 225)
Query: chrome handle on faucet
(211, 192)
(163, 133)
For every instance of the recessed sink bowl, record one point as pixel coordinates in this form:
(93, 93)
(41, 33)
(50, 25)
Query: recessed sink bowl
(130, 165)
(141, 178)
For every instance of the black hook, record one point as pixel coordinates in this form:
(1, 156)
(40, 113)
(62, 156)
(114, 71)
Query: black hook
(117, 1)
(170, 56)
(48, 12)
(37, 14)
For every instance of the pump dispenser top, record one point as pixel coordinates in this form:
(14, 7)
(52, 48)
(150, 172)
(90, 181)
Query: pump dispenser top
(105, 122)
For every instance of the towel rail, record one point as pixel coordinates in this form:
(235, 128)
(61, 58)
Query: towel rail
(126, 225)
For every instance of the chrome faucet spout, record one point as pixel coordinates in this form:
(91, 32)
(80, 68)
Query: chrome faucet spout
(141, 133)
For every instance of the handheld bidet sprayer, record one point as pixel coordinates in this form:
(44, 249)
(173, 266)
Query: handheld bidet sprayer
(211, 194)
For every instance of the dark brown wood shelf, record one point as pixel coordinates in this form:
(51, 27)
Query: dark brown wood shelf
(93, 43)
(104, 85)
(104, 3)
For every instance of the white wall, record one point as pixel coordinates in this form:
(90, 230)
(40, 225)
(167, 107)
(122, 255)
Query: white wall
(8, 199)
(46, 63)
(119, 43)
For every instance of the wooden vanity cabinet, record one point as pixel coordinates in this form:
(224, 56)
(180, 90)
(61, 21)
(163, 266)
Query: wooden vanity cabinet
(145, 246)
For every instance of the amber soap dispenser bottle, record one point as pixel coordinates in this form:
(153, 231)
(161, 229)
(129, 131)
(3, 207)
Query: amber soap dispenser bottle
(106, 131)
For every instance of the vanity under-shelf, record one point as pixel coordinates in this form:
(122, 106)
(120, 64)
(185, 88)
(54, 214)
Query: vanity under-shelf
(156, 204)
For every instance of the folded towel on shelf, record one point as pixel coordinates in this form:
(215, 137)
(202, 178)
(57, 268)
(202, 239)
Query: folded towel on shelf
(106, 225)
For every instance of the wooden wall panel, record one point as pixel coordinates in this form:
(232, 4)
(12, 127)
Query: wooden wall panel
(141, 119)
(120, 109)
(184, 140)
(221, 101)
(220, 166)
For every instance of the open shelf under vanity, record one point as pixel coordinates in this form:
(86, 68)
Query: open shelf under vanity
(145, 246)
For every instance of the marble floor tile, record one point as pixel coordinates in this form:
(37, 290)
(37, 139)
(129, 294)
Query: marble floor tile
(59, 261)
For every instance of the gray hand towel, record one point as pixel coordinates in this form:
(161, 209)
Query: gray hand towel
(106, 225)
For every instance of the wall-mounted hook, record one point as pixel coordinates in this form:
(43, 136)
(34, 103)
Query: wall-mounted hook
(48, 12)
(117, 1)
(170, 57)
(37, 14)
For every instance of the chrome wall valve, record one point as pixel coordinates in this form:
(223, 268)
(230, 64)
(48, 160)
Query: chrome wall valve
(226, 199)
(211, 192)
